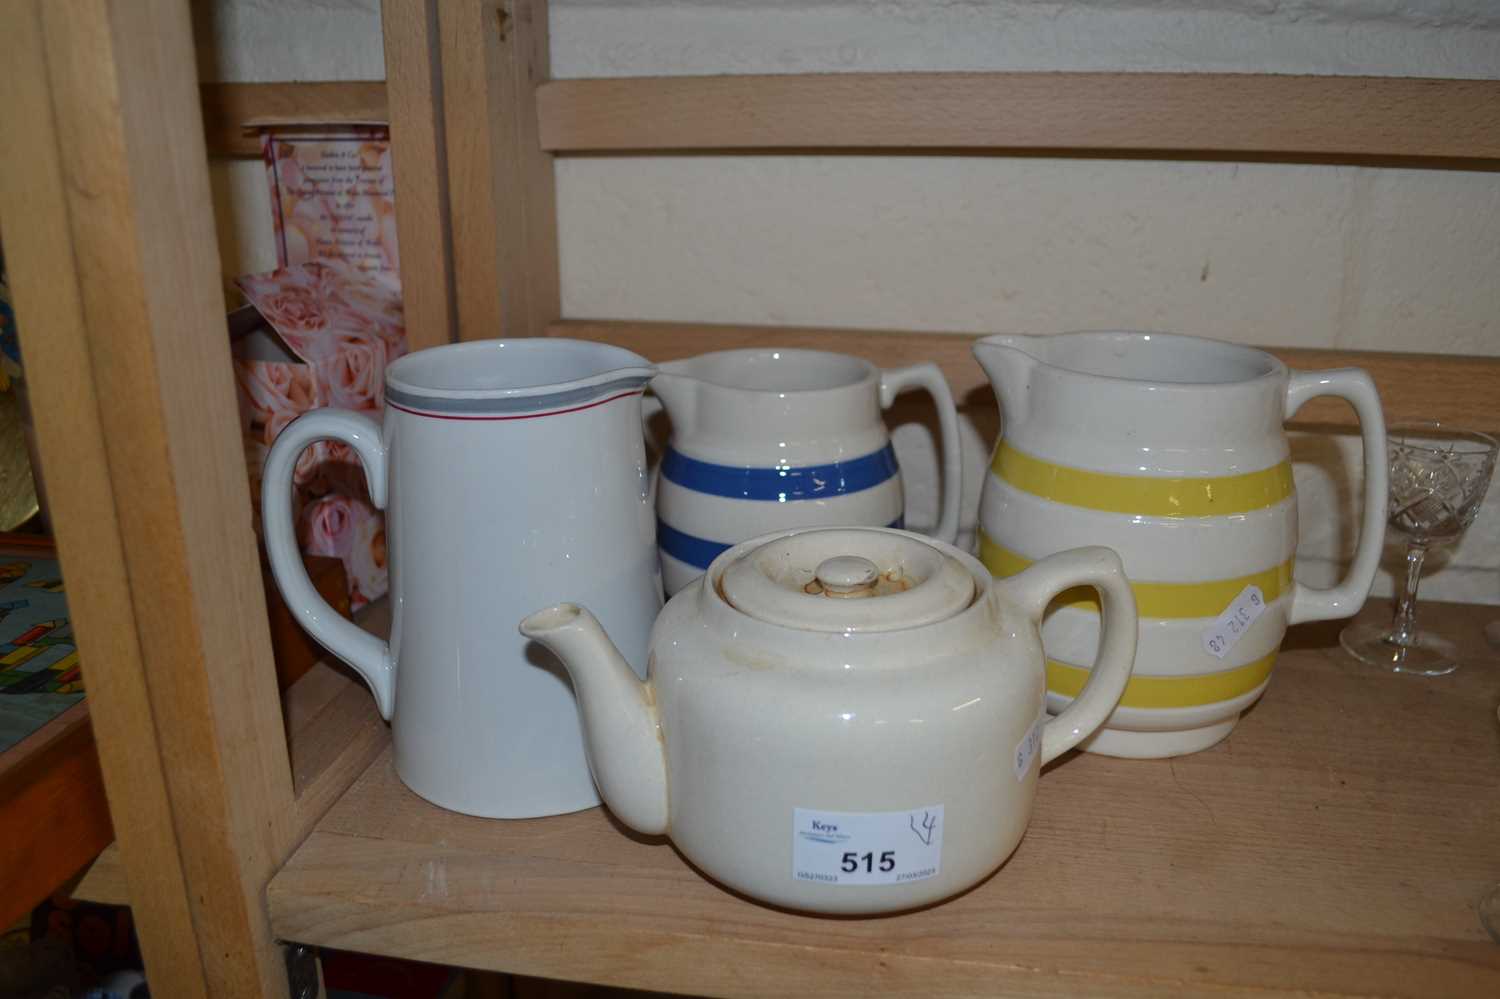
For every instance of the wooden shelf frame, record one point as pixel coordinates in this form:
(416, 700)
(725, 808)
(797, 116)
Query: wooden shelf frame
(1210, 115)
(52, 800)
(232, 110)
(104, 196)
(1206, 114)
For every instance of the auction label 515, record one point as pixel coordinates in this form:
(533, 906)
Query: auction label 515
(867, 848)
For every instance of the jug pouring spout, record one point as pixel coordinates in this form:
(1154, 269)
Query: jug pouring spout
(678, 392)
(620, 724)
(1009, 360)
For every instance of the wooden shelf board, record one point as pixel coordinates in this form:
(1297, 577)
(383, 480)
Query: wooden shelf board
(1058, 113)
(1170, 115)
(230, 108)
(1337, 842)
(333, 728)
(333, 734)
(1413, 387)
(104, 880)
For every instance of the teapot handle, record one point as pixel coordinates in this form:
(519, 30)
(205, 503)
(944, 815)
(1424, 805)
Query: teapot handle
(369, 656)
(930, 379)
(1035, 587)
(1345, 599)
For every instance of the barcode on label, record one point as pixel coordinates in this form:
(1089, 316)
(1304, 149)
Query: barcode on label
(1229, 627)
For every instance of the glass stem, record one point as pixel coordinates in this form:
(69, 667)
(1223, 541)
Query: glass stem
(1404, 627)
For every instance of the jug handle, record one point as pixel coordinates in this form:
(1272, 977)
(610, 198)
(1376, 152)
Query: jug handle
(930, 379)
(369, 656)
(1035, 587)
(1354, 385)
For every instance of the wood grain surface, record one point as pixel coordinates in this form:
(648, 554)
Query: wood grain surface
(115, 257)
(53, 809)
(232, 110)
(1455, 388)
(1255, 115)
(50, 275)
(333, 734)
(295, 650)
(414, 75)
(104, 880)
(1336, 843)
(500, 183)
(333, 730)
(1127, 112)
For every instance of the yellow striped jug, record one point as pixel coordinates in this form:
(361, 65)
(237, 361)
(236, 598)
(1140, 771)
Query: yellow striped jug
(1170, 450)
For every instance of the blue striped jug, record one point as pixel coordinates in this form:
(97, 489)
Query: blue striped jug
(770, 439)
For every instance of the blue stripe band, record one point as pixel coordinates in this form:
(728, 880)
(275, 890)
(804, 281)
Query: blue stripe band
(700, 552)
(780, 484)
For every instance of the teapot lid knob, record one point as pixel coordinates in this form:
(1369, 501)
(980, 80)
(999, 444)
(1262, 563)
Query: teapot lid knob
(847, 576)
(812, 579)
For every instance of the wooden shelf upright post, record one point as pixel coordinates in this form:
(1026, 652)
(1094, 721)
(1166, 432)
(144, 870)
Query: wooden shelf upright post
(105, 199)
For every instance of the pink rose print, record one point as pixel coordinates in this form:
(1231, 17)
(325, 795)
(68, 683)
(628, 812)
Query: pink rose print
(366, 564)
(335, 302)
(273, 387)
(344, 317)
(326, 526)
(355, 376)
(277, 422)
(293, 310)
(298, 235)
(271, 396)
(338, 470)
(390, 252)
(333, 198)
(372, 305)
(309, 471)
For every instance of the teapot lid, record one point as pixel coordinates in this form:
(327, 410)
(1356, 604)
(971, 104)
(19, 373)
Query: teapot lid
(847, 580)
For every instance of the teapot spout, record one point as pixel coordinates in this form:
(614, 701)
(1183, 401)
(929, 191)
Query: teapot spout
(1009, 361)
(618, 712)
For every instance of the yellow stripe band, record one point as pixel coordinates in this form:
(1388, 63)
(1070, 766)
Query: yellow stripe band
(1143, 495)
(1168, 691)
(1156, 600)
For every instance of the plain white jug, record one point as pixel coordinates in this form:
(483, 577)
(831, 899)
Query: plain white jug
(511, 472)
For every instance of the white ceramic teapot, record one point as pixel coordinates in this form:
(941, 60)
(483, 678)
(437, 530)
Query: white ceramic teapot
(847, 720)
(769, 439)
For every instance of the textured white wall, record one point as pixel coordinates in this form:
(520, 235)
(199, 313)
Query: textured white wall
(1272, 254)
(1269, 254)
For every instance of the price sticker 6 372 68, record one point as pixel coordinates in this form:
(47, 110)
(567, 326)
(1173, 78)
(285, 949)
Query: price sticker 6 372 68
(867, 848)
(1229, 627)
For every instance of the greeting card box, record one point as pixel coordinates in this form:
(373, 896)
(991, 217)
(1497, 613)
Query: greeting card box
(333, 196)
(315, 335)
